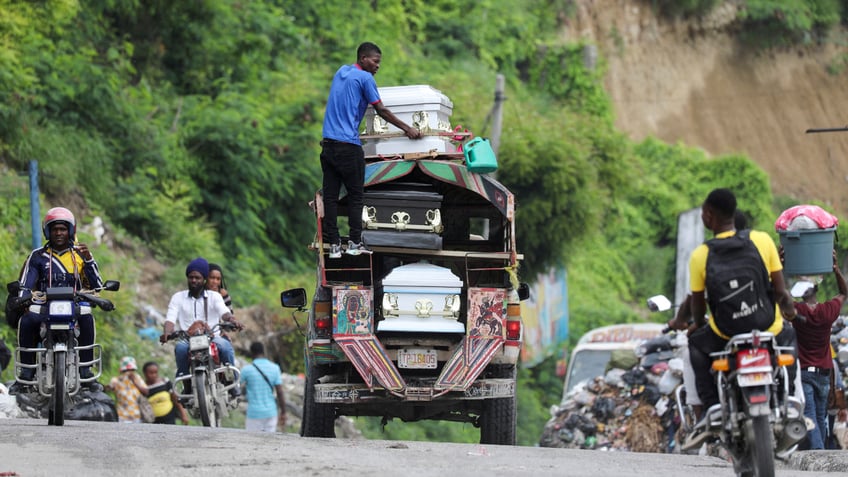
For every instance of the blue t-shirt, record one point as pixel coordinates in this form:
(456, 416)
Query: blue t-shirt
(352, 90)
(261, 403)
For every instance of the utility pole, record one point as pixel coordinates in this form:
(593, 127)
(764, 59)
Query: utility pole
(34, 212)
(497, 113)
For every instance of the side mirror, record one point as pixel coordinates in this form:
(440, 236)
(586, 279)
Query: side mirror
(112, 285)
(658, 303)
(293, 298)
(523, 291)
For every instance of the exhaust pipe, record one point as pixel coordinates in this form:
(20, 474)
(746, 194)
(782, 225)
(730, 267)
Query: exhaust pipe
(794, 430)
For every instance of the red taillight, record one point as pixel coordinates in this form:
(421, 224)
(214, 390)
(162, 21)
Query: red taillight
(323, 323)
(758, 398)
(323, 318)
(513, 330)
(213, 351)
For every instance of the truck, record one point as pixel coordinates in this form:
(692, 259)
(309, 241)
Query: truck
(593, 351)
(428, 325)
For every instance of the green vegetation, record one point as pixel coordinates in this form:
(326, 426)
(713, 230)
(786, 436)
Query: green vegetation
(192, 129)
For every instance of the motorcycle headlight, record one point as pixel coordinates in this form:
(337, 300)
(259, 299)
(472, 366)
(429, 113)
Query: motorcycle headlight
(61, 308)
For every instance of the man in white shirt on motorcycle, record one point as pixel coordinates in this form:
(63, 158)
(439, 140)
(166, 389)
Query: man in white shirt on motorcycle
(197, 304)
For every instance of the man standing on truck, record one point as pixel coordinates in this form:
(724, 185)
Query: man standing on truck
(342, 156)
(717, 214)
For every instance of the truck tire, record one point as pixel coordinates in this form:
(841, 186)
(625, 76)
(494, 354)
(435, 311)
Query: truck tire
(497, 422)
(498, 416)
(318, 419)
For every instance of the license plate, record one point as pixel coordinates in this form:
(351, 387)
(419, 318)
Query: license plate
(754, 379)
(417, 359)
(198, 342)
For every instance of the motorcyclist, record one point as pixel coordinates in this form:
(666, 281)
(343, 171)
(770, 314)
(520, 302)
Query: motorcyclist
(59, 263)
(718, 216)
(197, 304)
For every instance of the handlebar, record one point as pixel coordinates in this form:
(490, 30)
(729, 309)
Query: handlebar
(183, 335)
(102, 303)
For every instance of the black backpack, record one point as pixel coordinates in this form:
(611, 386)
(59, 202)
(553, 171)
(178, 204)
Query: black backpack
(739, 292)
(13, 311)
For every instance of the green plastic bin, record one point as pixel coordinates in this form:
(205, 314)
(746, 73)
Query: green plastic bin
(807, 251)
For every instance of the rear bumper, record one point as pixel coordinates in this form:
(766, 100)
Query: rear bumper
(360, 393)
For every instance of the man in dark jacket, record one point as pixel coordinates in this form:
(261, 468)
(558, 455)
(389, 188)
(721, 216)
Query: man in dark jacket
(59, 263)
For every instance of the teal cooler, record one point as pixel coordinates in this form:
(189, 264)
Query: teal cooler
(479, 156)
(807, 251)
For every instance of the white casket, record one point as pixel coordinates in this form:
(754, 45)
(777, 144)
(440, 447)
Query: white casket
(420, 106)
(421, 297)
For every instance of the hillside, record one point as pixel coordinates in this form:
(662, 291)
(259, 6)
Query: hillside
(691, 82)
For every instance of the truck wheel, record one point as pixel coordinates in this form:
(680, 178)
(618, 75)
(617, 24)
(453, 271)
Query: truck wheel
(497, 422)
(318, 419)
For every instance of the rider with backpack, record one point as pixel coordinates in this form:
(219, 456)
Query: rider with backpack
(739, 275)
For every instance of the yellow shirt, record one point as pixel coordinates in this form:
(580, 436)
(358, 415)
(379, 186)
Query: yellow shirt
(768, 251)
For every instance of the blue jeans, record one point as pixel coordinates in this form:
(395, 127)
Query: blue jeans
(816, 388)
(225, 351)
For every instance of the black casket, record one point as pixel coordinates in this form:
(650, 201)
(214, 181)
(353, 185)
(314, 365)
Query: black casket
(408, 217)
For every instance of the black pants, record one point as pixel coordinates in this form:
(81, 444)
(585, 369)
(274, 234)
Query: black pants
(342, 164)
(28, 336)
(704, 341)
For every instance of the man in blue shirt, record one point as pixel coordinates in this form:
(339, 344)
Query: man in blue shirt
(260, 379)
(342, 157)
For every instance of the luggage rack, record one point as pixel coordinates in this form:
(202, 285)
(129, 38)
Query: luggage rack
(447, 254)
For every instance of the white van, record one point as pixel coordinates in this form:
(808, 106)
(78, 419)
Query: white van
(592, 353)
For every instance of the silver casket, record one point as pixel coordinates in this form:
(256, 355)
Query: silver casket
(420, 106)
(421, 297)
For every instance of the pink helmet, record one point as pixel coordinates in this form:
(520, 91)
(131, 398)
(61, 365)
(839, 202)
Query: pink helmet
(59, 214)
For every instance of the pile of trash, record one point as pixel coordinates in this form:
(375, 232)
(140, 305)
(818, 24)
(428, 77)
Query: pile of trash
(8, 406)
(620, 411)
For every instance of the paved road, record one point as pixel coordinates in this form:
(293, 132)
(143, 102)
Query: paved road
(31, 448)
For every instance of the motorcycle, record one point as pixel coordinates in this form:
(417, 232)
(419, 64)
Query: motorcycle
(57, 377)
(662, 358)
(671, 348)
(211, 381)
(756, 419)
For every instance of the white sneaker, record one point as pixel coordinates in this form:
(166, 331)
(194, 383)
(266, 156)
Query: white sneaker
(336, 250)
(356, 248)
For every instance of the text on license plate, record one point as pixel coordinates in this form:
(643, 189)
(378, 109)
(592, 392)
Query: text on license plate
(754, 379)
(417, 358)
